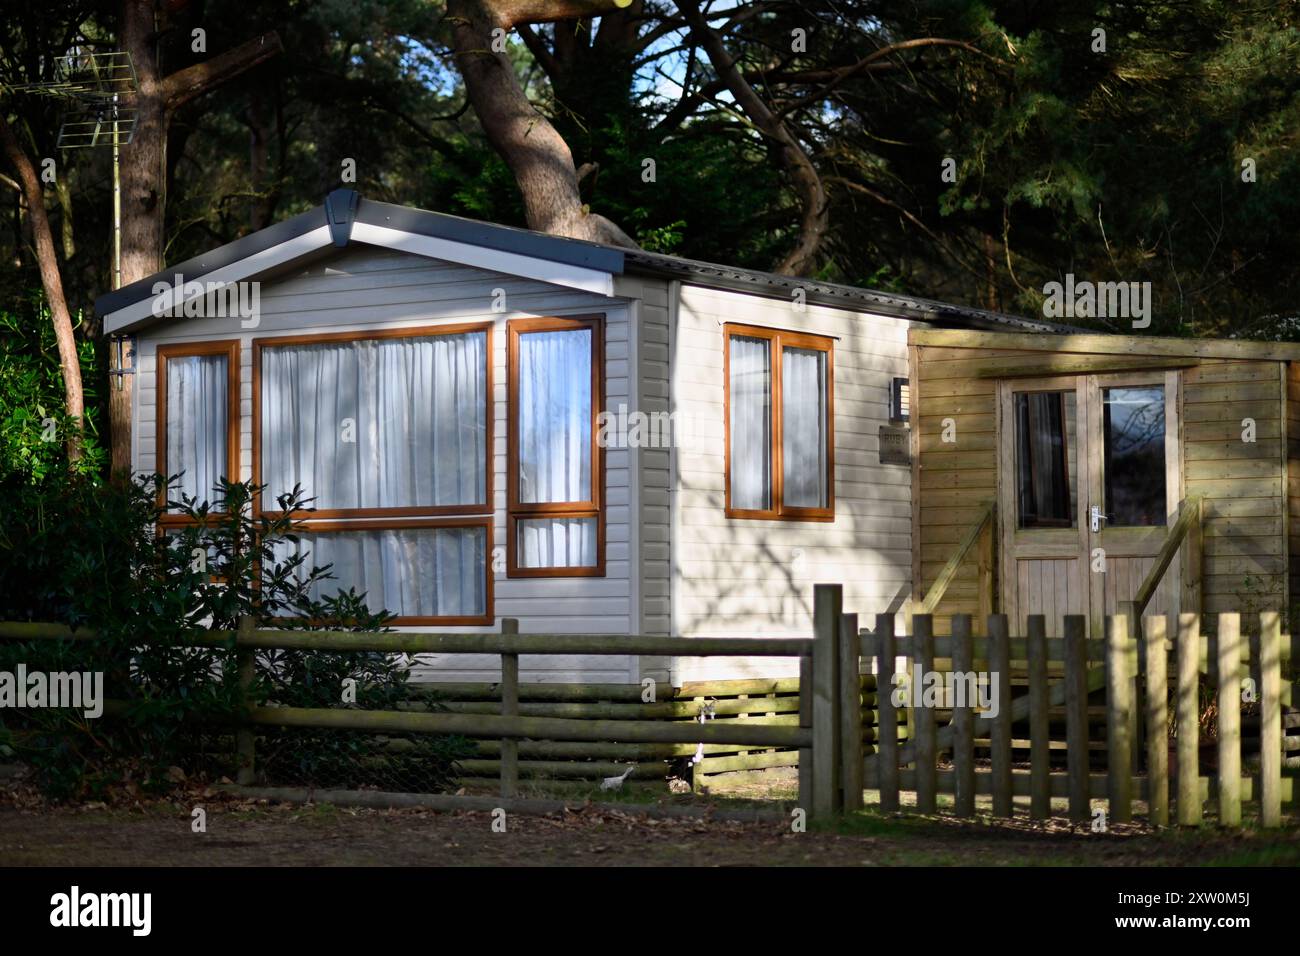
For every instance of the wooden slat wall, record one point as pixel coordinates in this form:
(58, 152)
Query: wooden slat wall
(1246, 548)
(1291, 526)
(953, 479)
(1244, 485)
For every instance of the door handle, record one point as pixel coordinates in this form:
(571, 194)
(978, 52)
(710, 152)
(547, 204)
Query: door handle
(1095, 518)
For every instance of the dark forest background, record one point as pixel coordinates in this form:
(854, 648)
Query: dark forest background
(1133, 141)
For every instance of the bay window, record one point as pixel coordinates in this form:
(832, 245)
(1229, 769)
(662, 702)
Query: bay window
(779, 411)
(555, 522)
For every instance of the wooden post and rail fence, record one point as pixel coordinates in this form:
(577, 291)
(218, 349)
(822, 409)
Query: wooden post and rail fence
(816, 736)
(833, 770)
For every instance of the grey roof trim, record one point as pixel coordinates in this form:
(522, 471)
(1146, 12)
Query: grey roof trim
(344, 207)
(524, 242)
(218, 258)
(340, 213)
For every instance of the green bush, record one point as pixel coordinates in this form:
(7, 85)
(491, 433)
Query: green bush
(88, 554)
(33, 425)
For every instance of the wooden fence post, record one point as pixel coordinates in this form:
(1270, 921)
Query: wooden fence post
(850, 646)
(246, 673)
(1230, 720)
(1040, 756)
(806, 756)
(828, 605)
(1000, 733)
(1119, 711)
(925, 746)
(887, 719)
(1270, 719)
(1136, 724)
(963, 720)
(509, 708)
(1157, 686)
(1076, 714)
(1189, 719)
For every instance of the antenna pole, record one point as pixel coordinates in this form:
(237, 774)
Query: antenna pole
(117, 204)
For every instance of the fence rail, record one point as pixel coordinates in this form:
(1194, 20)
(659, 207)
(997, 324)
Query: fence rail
(1160, 657)
(509, 725)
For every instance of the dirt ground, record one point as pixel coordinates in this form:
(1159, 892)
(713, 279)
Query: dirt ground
(241, 832)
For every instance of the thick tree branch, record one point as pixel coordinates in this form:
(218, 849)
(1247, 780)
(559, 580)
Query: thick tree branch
(511, 13)
(541, 52)
(815, 221)
(534, 150)
(193, 81)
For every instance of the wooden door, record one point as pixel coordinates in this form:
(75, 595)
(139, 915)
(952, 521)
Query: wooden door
(1042, 499)
(1135, 485)
(1088, 483)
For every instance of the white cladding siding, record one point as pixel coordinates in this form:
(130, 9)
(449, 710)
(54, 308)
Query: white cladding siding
(653, 464)
(365, 288)
(752, 577)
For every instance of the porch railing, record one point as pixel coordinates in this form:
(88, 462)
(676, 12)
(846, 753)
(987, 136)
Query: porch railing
(983, 531)
(1187, 527)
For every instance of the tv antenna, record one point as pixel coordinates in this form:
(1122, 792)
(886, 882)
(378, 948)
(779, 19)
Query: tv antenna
(95, 87)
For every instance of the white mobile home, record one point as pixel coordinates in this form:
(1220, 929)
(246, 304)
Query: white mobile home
(480, 411)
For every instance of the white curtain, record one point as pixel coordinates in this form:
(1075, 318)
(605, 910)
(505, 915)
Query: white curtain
(555, 404)
(412, 572)
(751, 423)
(557, 542)
(196, 423)
(377, 423)
(555, 416)
(803, 427)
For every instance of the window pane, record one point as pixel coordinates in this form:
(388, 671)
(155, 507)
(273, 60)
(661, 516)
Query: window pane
(196, 423)
(803, 428)
(1134, 435)
(1046, 465)
(555, 416)
(412, 572)
(557, 542)
(749, 395)
(377, 423)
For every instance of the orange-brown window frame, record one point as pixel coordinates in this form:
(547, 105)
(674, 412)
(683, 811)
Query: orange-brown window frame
(777, 340)
(417, 524)
(594, 508)
(229, 348)
(479, 514)
(423, 511)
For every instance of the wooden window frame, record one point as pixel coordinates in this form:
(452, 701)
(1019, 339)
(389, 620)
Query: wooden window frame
(593, 508)
(417, 524)
(427, 331)
(778, 340)
(480, 514)
(231, 349)
(1041, 523)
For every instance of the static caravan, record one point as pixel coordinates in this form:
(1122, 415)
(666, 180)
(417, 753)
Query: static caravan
(496, 423)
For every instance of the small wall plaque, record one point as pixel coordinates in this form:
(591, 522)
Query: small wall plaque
(893, 445)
